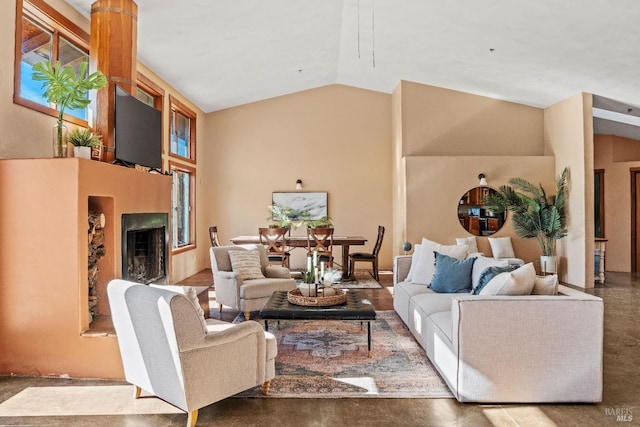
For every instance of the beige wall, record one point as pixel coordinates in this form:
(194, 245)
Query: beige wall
(335, 138)
(450, 137)
(436, 184)
(617, 202)
(568, 133)
(444, 122)
(27, 133)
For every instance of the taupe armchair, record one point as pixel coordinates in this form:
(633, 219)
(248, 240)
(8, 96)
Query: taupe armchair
(168, 351)
(246, 295)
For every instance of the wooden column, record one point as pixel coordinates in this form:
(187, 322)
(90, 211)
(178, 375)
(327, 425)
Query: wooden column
(114, 38)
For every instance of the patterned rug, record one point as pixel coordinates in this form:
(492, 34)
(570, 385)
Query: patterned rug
(328, 359)
(362, 280)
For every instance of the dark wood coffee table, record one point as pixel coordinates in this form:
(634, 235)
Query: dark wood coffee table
(357, 307)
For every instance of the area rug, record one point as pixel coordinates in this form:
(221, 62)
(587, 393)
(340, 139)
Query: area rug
(328, 359)
(362, 280)
(82, 400)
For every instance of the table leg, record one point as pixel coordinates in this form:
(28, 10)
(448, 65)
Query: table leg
(369, 339)
(266, 325)
(345, 260)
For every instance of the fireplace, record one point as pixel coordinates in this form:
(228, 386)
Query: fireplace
(145, 238)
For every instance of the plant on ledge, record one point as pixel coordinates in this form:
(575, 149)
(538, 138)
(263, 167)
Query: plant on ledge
(81, 137)
(535, 214)
(66, 89)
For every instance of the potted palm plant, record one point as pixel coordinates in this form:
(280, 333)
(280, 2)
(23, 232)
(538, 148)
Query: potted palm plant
(535, 214)
(63, 87)
(83, 141)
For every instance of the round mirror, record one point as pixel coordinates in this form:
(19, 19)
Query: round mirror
(477, 218)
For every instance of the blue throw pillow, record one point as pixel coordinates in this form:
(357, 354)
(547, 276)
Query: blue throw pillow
(452, 275)
(489, 273)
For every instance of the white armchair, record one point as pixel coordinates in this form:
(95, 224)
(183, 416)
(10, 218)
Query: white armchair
(168, 351)
(246, 295)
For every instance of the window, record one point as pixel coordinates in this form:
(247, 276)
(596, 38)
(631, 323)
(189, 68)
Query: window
(149, 92)
(182, 138)
(42, 34)
(183, 206)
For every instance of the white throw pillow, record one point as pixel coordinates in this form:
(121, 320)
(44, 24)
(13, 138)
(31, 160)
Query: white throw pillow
(426, 263)
(517, 282)
(483, 262)
(191, 295)
(415, 259)
(469, 241)
(246, 264)
(545, 285)
(501, 247)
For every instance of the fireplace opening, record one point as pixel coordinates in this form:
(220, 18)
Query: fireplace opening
(144, 247)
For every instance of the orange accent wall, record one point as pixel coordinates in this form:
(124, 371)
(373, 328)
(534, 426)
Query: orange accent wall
(43, 260)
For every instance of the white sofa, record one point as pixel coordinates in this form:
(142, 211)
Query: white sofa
(500, 349)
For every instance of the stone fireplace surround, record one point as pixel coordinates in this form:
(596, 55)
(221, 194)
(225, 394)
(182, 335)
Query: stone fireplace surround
(43, 260)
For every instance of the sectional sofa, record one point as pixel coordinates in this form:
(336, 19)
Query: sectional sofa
(507, 348)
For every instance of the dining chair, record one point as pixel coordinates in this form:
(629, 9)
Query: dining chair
(320, 240)
(368, 257)
(273, 239)
(213, 235)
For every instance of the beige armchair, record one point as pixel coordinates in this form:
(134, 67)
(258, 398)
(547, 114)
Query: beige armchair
(246, 295)
(168, 350)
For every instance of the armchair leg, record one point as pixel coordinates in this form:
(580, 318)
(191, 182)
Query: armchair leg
(192, 418)
(265, 387)
(136, 392)
(247, 315)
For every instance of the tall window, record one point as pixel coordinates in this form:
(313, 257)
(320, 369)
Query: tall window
(182, 140)
(183, 206)
(42, 34)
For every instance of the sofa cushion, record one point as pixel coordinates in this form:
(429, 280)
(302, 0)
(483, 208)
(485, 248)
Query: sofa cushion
(442, 320)
(482, 262)
(545, 285)
(432, 303)
(488, 274)
(452, 275)
(425, 269)
(246, 264)
(517, 282)
(501, 247)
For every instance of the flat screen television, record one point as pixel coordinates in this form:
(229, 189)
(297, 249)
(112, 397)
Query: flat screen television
(138, 131)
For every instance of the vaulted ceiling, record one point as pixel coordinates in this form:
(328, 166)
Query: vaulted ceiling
(224, 53)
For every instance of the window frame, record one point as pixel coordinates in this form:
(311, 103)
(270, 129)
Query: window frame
(47, 17)
(179, 107)
(173, 166)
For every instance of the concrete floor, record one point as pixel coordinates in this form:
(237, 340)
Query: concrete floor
(621, 295)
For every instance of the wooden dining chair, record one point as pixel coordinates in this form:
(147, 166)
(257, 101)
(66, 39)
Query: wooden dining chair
(320, 239)
(213, 235)
(273, 239)
(368, 257)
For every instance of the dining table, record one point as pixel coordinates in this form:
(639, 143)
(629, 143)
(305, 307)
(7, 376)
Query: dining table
(301, 242)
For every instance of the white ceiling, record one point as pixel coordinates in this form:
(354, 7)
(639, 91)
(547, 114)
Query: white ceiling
(223, 53)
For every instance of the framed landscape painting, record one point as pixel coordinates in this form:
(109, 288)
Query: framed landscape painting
(302, 205)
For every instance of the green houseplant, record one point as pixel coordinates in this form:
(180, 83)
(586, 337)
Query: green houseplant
(535, 213)
(63, 87)
(83, 141)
